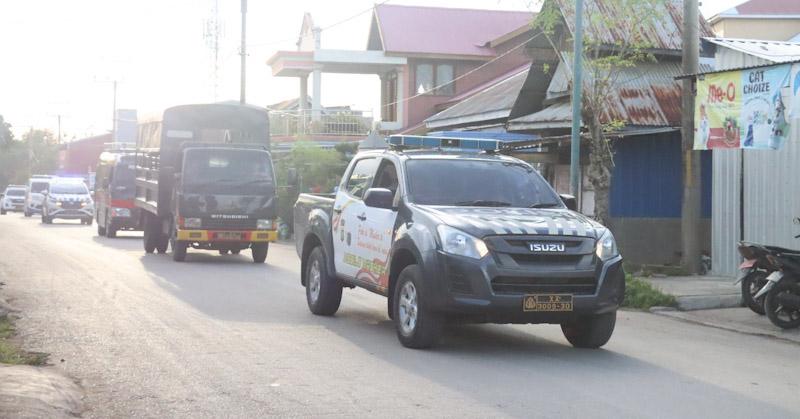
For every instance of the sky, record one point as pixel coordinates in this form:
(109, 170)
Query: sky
(61, 58)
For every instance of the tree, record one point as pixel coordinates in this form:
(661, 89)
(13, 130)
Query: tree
(6, 136)
(613, 41)
(37, 153)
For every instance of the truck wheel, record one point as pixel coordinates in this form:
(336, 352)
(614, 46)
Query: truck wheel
(163, 244)
(418, 326)
(111, 232)
(223, 251)
(150, 234)
(591, 331)
(179, 250)
(235, 251)
(101, 231)
(26, 213)
(323, 293)
(259, 252)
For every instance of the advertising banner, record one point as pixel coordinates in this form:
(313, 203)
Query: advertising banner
(743, 109)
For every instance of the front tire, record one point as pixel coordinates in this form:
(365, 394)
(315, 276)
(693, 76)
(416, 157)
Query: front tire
(590, 331)
(783, 317)
(152, 231)
(27, 213)
(259, 251)
(2, 211)
(417, 325)
(751, 284)
(323, 292)
(101, 231)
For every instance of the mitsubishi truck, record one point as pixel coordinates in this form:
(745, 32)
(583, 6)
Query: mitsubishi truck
(458, 233)
(205, 180)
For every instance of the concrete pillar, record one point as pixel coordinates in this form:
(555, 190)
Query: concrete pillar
(302, 104)
(316, 101)
(401, 96)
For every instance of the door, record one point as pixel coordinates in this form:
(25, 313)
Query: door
(378, 230)
(349, 212)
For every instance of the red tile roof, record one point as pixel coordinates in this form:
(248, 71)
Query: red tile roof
(444, 31)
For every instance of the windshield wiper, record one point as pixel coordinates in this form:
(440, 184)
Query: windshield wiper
(545, 205)
(483, 203)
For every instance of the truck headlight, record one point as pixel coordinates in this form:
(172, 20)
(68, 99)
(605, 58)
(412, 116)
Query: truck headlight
(265, 225)
(120, 212)
(192, 222)
(57, 203)
(457, 242)
(606, 246)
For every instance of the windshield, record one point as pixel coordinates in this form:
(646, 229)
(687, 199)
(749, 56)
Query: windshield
(226, 171)
(69, 188)
(15, 192)
(478, 183)
(39, 187)
(124, 174)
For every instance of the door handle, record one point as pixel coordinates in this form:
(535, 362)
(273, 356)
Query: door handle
(362, 217)
(338, 210)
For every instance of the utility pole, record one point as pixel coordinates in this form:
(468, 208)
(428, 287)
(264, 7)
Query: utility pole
(59, 129)
(243, 52)
(577, 87)
(114, 115)
(690, 214)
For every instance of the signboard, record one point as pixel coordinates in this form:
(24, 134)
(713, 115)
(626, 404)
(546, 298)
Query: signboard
(745, 109)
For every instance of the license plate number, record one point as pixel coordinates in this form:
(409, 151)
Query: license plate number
(228, 235)
(547, 302)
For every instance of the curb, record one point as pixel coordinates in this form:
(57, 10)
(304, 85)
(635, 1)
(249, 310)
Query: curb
(680, 316)
(708, 302)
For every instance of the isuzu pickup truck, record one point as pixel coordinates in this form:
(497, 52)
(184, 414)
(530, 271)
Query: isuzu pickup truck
(449, 235)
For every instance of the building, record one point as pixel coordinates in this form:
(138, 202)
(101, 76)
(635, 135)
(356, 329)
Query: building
(647, 186)
(80, 157)
(773, 20)
(754, 192)
(426, 57)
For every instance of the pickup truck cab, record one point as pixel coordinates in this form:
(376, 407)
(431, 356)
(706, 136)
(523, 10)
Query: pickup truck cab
(459, 236)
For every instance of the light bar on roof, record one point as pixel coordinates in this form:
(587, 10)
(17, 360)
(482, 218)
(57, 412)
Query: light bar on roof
(422, 141)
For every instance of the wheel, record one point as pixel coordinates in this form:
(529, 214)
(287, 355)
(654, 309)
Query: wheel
(111, 232)
(163, 244)
(590, 331)
(417, 325)
(2, 211)
(223, 251)
(101, 231)
(751, 284)
(259, 252)
(179, 249)
(323, 292)
(236, 251)
(88, 221)
(27, 213)
(151, 233)
(779, 314)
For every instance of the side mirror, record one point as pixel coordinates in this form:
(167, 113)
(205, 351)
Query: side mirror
(379, 198)
(570, 202)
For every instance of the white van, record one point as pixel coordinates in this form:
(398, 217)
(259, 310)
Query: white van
(34, 197)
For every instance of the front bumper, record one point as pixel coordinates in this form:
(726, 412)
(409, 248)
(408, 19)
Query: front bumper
(240, 236)
(466, 291)
(13, 206)
(70, 214)
(34, 208)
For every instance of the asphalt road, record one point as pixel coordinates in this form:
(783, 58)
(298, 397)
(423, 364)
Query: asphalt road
(219, 336)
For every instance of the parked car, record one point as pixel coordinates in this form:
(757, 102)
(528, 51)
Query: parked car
(452, 235)
(68, 199)
(34, 197)
(13, 199)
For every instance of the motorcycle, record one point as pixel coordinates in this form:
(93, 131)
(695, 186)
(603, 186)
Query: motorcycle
(753, 274)
(782, 292)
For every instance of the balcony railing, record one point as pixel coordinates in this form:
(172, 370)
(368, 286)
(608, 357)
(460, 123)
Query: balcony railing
(325, 122)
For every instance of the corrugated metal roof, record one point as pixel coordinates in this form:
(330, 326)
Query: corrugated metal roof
(494, 102)
(645, 95)
(773, 51)
(663, 34)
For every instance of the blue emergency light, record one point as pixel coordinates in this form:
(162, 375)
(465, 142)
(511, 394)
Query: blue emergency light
(444, 143)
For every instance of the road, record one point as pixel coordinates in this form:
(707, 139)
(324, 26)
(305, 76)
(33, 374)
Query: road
(219, 336)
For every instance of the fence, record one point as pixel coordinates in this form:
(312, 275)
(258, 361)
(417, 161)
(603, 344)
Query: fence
(326, 122)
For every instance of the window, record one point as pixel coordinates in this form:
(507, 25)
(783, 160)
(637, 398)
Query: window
(387, 177)
(74, 188)
(429, 76)
(361, 178)
(424, 78)
(38, 187)
(444, 79)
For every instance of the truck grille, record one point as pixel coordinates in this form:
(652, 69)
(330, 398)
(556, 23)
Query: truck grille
(534, 285)
(222, 224)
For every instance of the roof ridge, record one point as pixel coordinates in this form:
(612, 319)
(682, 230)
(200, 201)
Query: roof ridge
(409, 6)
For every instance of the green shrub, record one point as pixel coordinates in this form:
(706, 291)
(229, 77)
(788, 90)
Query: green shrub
(640, 294)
